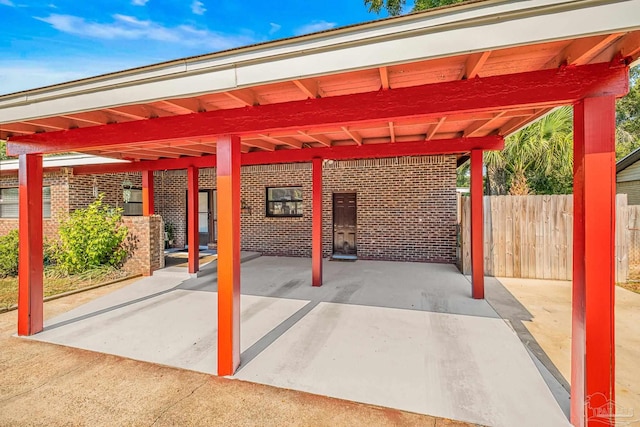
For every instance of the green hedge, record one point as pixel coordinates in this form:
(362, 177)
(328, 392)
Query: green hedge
(9, 254)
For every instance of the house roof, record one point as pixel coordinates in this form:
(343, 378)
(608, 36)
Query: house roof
(471, 41)
(628, 160)
(63, 161)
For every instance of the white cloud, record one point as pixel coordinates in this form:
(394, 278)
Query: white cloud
(314, 27)
(274, 28)
(131, 28)
(197, 7)
(7, 3)
(139, 2)
(20, 75)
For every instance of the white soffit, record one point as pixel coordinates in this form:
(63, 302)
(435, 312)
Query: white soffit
(68, 160)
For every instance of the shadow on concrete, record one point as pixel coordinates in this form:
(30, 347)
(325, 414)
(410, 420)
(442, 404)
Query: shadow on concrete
(208, 269)
(511, 310)
(438, 288)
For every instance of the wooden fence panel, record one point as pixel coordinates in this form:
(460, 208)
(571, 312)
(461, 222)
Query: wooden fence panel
(622, 238)
(532, 237)
(633, 252)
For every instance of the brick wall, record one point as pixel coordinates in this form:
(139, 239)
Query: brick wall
(58, 182)
(81, 188)
(146, 239)
(275, 236)
(406, 207)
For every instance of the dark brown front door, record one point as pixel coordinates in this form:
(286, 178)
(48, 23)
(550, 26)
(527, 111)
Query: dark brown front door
(344, 223)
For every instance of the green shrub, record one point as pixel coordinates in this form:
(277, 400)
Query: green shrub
(51, 252)
(9, 254)
(92, 237)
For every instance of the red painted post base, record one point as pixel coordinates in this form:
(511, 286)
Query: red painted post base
(477, 224)
(30, 262)
(316, 254)
(147, 193)
(192, 220)
(228, 183)
(592, 340)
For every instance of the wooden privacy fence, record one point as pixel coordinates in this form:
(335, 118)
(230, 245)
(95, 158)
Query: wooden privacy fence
(532, 237)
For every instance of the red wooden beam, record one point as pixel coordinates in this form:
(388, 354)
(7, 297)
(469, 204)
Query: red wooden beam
(477, 223)
(523, 90)
(371, 151)
(192, 219)
(228, 183)
(316, 252)
(592, 341)
(150, 165)
(30, 263)
(147, 193)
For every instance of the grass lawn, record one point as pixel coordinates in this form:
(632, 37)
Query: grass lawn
(55, 283)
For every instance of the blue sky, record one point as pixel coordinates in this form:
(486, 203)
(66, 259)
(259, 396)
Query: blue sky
(53, 41)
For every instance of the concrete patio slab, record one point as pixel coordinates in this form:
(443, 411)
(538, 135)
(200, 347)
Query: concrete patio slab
(400, 335)
(462, 367)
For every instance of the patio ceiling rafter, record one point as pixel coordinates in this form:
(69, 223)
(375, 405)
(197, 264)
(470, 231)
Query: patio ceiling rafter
(417, 148)
(530, 89)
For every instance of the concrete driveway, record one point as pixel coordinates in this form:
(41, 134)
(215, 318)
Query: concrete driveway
(400, 335)
(540, 310)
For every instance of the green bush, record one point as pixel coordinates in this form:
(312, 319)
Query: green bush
(9, 254)
(92, 237)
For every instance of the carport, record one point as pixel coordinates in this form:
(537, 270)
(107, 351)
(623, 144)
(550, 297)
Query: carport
(453, 80)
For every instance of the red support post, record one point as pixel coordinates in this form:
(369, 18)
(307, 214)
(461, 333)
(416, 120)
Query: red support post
(30, 262)
(316, 251)
(228, 183)
(147, 193)
(593, 346)
(477, 224)
(192, 219)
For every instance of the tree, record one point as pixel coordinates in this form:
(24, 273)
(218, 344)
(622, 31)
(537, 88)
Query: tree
(396, 7)
(537, 159)
(628, 117)
(3, 150)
